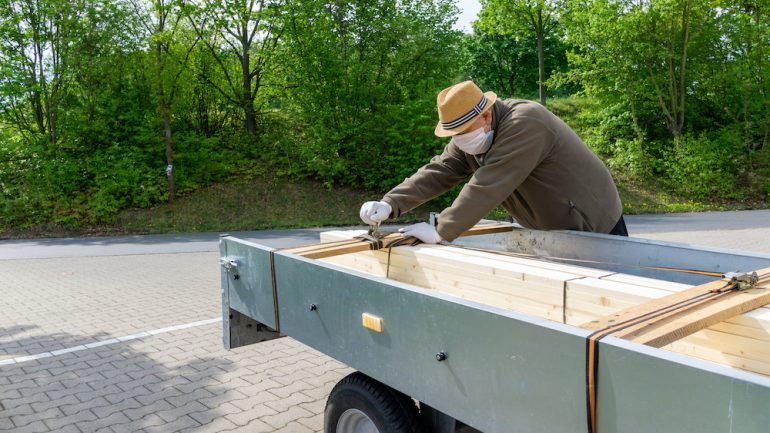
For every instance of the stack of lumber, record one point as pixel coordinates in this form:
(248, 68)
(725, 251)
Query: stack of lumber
(349, 245)
(560, 292)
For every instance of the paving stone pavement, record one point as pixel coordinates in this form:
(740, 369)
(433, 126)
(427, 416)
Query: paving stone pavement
(154, 375)
(176, 380)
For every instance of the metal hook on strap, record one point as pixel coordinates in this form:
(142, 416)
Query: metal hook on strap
(743, 280)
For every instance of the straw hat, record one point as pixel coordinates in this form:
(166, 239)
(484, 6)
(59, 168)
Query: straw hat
(459, 106)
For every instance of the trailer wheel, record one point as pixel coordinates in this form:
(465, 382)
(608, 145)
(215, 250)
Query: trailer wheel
(360, 404)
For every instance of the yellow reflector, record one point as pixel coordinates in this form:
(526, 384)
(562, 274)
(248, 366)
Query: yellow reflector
(372, 322)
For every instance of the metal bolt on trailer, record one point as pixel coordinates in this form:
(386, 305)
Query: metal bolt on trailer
(433, 362)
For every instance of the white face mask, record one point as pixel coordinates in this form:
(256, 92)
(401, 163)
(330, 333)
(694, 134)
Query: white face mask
(475, 142)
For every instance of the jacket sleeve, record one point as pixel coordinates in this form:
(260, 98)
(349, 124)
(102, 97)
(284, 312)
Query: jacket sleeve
(434, 178)
(522, 144)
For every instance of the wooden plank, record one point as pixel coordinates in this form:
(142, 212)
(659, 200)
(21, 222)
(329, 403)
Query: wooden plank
(741, 341)
(488, 229)
(532, 267)
(655, 304)
(336, 248)
(647, 282)
(719, 356)
(322, 245)
(472, 282)
(758, 334)
(705, 308)
(337, 235)
(535, 261)
(353, 246)
(702, 317)
(608, 293)
(406, 265)
(737, 345)
(531, 287)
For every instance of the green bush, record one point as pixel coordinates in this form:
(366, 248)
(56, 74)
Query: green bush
(123, 176)
(629, 158)
(69, 189)
(706, 168)
(200, 161)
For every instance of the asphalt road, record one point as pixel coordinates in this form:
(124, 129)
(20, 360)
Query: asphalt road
(746, 230)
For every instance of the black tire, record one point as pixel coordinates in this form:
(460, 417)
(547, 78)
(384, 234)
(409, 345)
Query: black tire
(389, 410)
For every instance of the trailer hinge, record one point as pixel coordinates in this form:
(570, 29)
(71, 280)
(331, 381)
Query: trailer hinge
(744, 280)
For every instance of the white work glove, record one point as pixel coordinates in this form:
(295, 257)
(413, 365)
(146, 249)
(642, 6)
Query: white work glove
(375, 212)
(422, 231)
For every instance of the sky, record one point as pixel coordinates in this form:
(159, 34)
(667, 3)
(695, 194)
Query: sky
(469, 11)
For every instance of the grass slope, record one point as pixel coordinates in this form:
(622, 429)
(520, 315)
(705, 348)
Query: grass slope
(273, 203)
(249, 205)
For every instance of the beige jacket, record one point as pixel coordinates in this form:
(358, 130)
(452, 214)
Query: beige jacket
(537, 168)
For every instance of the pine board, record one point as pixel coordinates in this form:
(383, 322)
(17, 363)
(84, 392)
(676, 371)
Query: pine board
(656, 323)
(535, 287)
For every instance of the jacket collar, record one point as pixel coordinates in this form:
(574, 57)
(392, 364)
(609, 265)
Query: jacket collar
(498, 112)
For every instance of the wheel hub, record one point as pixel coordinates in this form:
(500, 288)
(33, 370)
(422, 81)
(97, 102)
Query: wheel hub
(355, 421)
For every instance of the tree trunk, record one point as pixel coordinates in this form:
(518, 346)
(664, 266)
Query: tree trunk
(540, 31)
(52, 127)
(169, 154)
(251, 116)
(164, 110)
(37, 106)
(683, 66)
(36, 99)
(204, 122)
(37, 75)
(248, 100)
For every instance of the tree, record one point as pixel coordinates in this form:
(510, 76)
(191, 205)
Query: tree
(165, 31)
(245, 32)
(646, 50)
(34, 41)
(363, 77)
(513, 17)
(54, 56)
(735, 88)
(502, 63)
(508, 63)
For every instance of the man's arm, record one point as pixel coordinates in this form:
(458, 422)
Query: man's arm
(434, 178)
(521, 146)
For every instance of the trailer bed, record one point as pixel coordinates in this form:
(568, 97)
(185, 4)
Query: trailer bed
(512, 367)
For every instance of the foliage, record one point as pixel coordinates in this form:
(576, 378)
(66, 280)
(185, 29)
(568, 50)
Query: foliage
(704, 167)
(508, 63)
(526, 20)
(241, 36)
(710, 166)
(681, 88)
(362, 79)
(97, 97)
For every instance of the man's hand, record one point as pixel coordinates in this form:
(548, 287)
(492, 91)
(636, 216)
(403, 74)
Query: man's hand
(422, 231)
(374, 212)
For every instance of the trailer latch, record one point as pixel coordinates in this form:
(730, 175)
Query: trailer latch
(744, 280)
(229, 263)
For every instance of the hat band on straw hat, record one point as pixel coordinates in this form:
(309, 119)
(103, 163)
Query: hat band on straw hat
(475, 111)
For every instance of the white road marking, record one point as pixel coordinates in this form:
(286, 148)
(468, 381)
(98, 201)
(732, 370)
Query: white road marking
(26, 358)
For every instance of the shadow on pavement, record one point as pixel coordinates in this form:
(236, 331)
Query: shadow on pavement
(145, 384)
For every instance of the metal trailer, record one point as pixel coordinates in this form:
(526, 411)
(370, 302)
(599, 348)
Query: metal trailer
(472, 364)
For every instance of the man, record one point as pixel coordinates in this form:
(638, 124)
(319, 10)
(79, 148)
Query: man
(518, 155)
